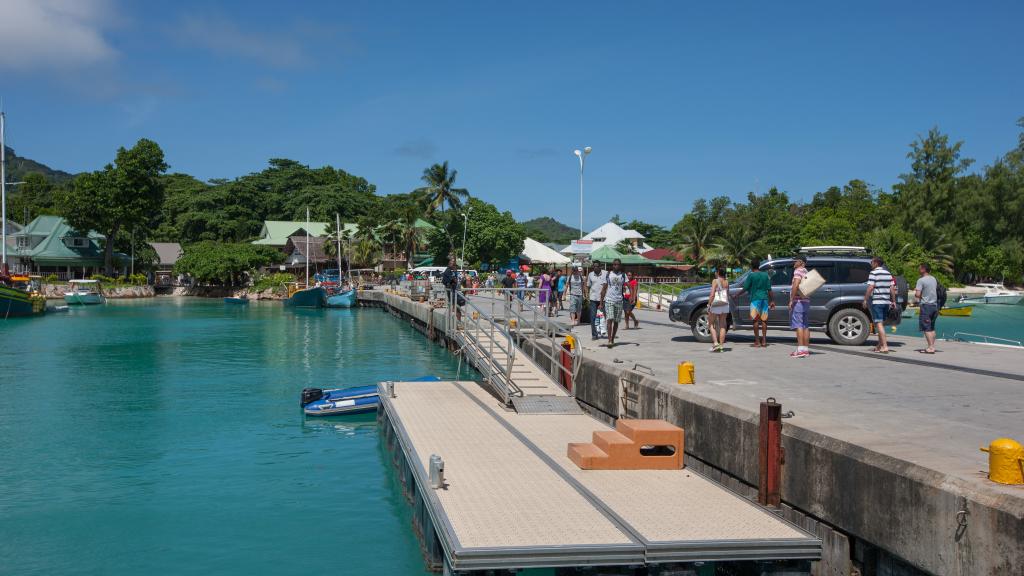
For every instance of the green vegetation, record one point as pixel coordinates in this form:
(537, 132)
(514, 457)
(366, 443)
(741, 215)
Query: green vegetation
(226, 264)
(492, 237)
(19, 168)
(123, 196)
(275, 281)
(967, 226)
(117, 282)
(547, 229)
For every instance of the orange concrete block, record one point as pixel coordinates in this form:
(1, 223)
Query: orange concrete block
(587, 456)
(634, 445)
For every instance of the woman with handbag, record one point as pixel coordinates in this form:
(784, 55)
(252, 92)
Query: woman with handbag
(718, 310)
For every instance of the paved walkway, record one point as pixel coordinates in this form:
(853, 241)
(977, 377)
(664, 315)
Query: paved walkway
(935, 411)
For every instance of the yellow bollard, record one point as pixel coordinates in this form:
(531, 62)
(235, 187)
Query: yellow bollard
(1005, 461)
(686, 373)
(571, 341)
(512, 323)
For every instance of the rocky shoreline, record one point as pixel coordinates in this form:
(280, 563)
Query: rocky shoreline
(57, 291)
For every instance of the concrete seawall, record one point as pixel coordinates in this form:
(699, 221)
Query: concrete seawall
(876, 514)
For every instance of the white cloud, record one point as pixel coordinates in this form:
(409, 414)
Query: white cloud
(54, 33)
(224, 37)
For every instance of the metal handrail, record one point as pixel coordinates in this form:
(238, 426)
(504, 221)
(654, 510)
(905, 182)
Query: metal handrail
(498, 376)
(542, 327)
(653, 294)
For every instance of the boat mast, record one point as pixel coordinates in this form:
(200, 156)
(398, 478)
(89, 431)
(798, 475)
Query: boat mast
(337, 238)
(307, 247)
(3, 195)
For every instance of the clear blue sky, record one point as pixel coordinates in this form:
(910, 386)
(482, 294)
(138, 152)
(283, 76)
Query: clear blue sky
(679, 100)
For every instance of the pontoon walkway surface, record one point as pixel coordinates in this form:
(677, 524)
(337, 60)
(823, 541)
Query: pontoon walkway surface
(513, 499)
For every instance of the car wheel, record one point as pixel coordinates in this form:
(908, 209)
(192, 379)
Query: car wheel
(699, 326)
(849, 327)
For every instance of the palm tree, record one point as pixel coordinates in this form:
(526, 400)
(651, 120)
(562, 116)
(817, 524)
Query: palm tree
(735, 246)
(624, 247)
(440, 188)
(697, 233)
(367, 248)
(332, 238)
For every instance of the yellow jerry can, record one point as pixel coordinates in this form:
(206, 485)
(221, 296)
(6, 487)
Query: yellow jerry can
(686, 373)
(1005, 461)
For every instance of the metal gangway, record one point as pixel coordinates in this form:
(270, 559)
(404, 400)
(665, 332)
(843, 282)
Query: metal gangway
(509, 339)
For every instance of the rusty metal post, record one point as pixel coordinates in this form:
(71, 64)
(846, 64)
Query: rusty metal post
(770, 459)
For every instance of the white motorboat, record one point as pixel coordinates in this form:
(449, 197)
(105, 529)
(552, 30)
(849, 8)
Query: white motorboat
(84, 292)
(994, 294)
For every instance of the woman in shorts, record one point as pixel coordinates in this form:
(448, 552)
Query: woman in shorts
(718, 309)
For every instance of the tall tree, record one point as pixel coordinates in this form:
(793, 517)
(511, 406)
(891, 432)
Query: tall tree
(32, 197)
(927, 194)
(697, 229)
(125, 195)
(440, 188)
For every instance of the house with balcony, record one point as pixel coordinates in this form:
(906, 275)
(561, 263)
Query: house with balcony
(48, 245)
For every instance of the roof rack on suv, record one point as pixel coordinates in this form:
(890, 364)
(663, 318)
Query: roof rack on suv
(836, 250)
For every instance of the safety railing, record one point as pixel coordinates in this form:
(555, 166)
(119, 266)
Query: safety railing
(529, 321)
(479, 335)
(659, 295)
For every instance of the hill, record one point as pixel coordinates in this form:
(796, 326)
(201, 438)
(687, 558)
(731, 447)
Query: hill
(18, 167)
(547, 229)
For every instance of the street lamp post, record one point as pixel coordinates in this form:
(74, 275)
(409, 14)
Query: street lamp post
(465, 225)
(582, 155)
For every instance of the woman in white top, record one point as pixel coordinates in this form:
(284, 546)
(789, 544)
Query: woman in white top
(718, 309)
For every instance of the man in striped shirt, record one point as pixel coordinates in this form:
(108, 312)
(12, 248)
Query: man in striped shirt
(878, 299)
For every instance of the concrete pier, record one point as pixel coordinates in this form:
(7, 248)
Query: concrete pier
(882, 455)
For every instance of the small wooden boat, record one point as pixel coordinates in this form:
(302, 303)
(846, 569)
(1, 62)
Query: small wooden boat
(345, 299)
(344, 401)
(84, 293)
(954, 311)
(236, 300)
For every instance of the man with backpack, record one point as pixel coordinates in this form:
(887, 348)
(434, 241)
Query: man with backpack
(931, 297)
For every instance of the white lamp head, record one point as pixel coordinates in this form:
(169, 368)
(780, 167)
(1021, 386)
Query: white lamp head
(587, 150)
(577, 152)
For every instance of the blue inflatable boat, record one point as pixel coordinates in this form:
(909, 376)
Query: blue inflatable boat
(337, 401)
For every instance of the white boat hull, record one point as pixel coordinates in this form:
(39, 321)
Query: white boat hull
(83, 299)
(999, 299)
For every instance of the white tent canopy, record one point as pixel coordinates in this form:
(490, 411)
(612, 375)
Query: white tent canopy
(538, 253)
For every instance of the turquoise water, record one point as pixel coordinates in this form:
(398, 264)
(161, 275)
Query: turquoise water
(999, 320)
(165, 437)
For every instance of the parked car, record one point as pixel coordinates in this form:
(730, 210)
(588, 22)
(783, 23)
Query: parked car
(835, 307)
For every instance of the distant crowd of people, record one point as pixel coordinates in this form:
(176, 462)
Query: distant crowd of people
(611, 295)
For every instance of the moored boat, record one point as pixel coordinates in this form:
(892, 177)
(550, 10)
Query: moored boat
(344, 299)
(954, 311)
(995, 293)
(17, 302)
(84, 292)
(236, 300)
(313, 297)
(344, 401)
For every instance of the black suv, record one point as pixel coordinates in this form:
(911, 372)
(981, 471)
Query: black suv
(835, 307)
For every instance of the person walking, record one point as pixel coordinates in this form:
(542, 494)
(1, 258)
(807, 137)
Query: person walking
(560, 280)
(759, 285)
(611, 295)
(926, 292)
(630, 294)
(507, 284)
(544, 294)
(450, 280)
(521, 282)
(799, 307)
(878, 299)
(575, 285)
(595, 281)
(718, 310)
